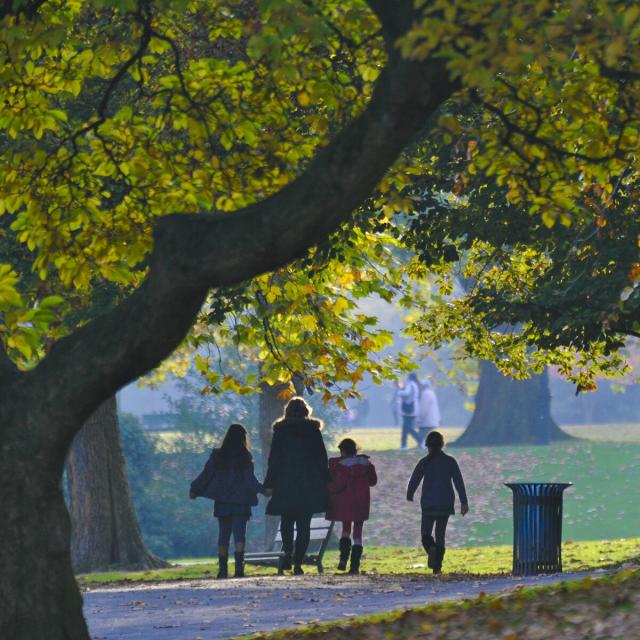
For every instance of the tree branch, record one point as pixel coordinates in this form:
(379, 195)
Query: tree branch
(193, 253)
(395, 16)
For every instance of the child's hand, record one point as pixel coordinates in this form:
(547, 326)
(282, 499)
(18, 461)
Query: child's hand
(464, 509)
(268, 493)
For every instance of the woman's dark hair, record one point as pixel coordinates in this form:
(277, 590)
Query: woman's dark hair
(297, 408)
(234, 451)
(435, 440)
(348, 447)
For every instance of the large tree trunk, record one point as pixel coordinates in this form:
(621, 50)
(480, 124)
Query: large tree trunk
(510, 412)
(104, 527)
(39, 597)
(42, 409)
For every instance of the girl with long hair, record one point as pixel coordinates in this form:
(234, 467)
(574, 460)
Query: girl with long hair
(228, 479)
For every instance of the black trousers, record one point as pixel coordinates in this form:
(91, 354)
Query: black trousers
(302, 522)
(440, 523)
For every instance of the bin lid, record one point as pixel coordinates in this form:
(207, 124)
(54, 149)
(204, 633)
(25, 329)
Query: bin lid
(538, 488)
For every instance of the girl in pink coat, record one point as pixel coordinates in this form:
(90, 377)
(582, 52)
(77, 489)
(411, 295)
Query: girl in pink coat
(351, 476)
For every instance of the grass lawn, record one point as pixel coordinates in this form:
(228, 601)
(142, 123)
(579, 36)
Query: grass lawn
(388, 438)
(475, 561)
(604, 466)
(602, 609)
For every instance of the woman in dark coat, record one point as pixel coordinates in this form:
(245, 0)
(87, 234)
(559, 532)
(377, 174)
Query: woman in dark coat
(228, 479)
(437, 471)
(297, 476)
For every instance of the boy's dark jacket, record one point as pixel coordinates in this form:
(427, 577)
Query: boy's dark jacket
(437, 471)
(297, 470)
(236, 485)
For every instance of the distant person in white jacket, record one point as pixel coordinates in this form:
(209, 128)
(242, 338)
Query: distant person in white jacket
(409, 397)
(428, 417)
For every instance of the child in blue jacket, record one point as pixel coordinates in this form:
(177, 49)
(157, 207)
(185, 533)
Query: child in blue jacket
(438, 472)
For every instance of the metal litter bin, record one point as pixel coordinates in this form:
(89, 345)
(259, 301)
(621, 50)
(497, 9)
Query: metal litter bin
(537, 527)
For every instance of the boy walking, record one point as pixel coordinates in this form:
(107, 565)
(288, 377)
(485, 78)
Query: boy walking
(438, 472)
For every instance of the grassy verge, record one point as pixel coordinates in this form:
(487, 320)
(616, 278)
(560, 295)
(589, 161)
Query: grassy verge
(605, 608)
(402, 560)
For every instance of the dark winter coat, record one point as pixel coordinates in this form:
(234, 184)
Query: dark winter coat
(234, 485)
(297, 469)
(349, 493)
(437, 471)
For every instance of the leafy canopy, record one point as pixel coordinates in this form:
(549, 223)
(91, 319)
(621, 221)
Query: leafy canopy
(116, 113)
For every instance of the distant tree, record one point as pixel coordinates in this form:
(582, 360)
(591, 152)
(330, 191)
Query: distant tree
(511, 412)
(105, 530)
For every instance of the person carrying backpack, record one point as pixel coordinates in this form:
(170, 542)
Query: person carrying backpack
(409, 397)
(229, 480)
(352, 475)
(437, 471)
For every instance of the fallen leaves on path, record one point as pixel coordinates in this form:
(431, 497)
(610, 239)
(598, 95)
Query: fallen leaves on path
(602, 608)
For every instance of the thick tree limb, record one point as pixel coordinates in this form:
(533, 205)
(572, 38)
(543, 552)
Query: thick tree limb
(395, 16)
(196, 252)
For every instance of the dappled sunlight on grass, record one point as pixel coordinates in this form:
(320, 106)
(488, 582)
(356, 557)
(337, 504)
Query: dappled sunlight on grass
(400, 560)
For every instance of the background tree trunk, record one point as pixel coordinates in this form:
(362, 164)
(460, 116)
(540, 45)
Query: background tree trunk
(510, 412)
(104, 526)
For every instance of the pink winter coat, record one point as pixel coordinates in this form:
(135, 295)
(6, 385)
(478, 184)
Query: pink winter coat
(349, 492)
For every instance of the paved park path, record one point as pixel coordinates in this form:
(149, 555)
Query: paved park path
(208, 609)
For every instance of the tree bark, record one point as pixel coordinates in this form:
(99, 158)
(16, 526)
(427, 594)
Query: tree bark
(41, 410)
(511, 412)
(39, 597)
(105, 534)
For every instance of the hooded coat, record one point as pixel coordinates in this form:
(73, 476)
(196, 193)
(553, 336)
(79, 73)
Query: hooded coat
(351, 477)
(297, 470)
(438, 473)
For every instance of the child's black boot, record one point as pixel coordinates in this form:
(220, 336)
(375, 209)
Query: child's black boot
(239, 568)
(222, 567)
(356, 554)
(345, 550)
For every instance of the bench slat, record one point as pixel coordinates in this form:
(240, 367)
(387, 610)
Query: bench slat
(318, 541)
(315, 535)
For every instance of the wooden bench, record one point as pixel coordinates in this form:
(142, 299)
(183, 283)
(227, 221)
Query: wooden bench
(321, 530)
